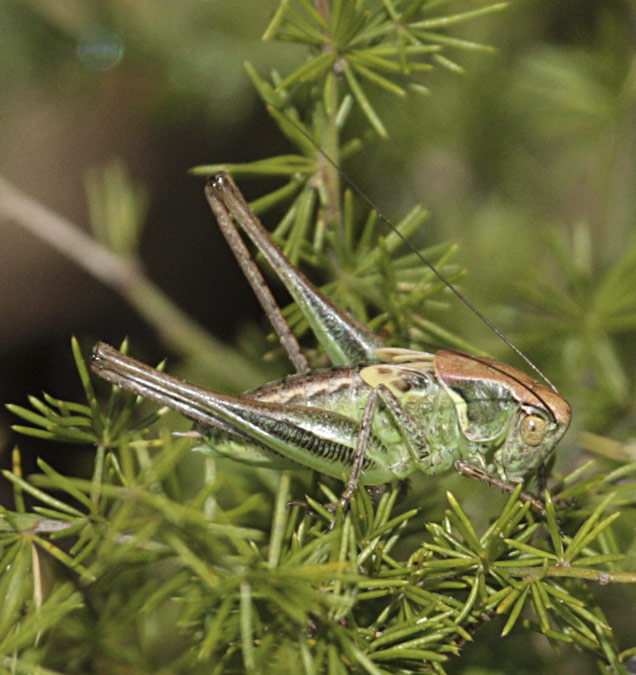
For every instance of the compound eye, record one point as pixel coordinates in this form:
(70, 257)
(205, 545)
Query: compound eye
(533, 429)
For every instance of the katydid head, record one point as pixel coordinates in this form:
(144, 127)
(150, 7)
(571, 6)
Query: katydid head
(498, 405)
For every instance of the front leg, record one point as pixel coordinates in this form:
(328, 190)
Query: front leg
(472, 471)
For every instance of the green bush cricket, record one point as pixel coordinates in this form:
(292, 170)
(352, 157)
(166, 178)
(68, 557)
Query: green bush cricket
(378, 413)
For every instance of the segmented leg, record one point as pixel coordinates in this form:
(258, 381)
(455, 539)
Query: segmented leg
(473, 471)
(316, 439)
(417, 443)
(345, 339)
(414, 437)
(253, 274)
(361, 448)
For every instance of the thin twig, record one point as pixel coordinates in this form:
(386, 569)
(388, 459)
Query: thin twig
(126, 276)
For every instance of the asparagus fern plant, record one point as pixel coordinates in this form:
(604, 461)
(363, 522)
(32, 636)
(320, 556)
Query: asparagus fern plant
(168, 561)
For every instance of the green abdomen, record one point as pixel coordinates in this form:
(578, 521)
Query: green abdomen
(341, 390)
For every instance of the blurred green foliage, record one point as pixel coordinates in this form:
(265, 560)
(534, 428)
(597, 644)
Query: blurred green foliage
(527, 160)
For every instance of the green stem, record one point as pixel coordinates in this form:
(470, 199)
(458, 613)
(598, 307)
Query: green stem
(279, 521)
(330, 143)
(588, 573)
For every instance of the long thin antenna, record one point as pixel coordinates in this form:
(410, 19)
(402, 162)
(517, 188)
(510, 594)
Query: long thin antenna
(423, 258)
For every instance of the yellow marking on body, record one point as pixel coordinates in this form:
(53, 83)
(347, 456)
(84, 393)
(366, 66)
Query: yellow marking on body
(397, 378)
